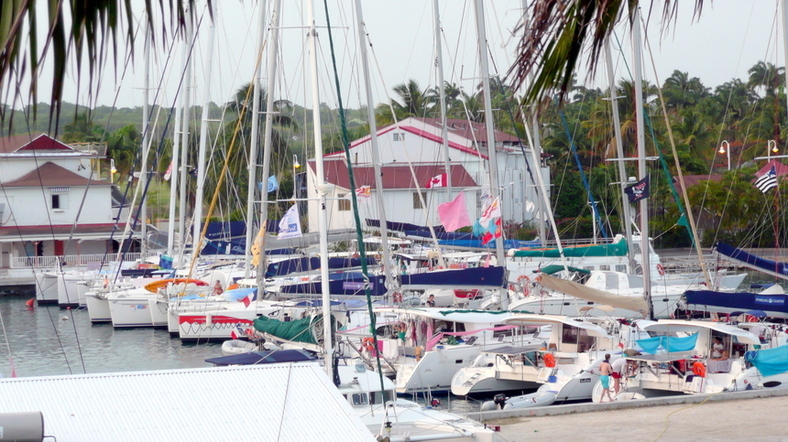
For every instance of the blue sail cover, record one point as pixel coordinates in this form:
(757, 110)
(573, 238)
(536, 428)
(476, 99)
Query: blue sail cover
(401, 227)
(304, 264)
(769, 266)
(773, 305)
(769, 362)
(668, 343)
(476, 277)
(345, 283)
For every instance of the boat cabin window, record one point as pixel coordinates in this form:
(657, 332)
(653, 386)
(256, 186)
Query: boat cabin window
(343, 202)
(376, 398)
(360, 399)
(604, 267)
(569, 335)
(621, 268)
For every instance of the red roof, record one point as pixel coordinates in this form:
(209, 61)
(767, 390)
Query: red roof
(51, 175)
(27, 142)
(779, 168)
(694, 180)
(394, 176)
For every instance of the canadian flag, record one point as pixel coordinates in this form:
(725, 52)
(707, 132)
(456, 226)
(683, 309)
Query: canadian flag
(441, 180)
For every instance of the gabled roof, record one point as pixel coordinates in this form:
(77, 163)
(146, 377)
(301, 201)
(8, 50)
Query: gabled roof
(779, 168)
(28, 142)
(51, 174)
(394, 176)
(470, 130)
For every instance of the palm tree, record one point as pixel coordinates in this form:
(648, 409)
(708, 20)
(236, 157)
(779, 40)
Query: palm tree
(414, 101)
(85, 39)
(771, 78)
(559, 31)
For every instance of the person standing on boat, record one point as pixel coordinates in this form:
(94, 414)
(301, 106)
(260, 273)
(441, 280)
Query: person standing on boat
(431, 301)
(619, 367)
(605, 369)
(217, 288)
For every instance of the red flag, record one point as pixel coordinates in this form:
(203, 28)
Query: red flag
(441, 180)
(454, 214)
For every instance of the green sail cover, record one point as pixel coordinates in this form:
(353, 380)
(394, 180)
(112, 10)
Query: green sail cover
(308, 330)
(612, 249)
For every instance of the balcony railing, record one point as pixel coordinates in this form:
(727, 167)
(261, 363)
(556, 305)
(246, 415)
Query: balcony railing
(21, 262)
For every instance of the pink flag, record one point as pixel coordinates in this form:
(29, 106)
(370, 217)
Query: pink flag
(454, 215)
(441, 180)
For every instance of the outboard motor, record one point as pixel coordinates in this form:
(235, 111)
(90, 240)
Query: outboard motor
(500, 400)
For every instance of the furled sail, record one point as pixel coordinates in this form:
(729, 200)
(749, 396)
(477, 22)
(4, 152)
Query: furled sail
(633, 303)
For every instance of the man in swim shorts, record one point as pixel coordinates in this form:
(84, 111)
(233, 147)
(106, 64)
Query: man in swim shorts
(605, 369)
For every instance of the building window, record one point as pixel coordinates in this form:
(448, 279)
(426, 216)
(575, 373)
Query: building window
(59, 201)
(398, 136)
(344, 202)
(417, 200)
(55, 201)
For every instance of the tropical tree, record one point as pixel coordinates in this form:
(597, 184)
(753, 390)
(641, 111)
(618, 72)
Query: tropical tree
(123, 146)
(771, 79)
(413, 101)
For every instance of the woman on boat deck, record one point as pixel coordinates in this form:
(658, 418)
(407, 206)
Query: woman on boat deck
(217, 288)
(605, 369)
(716, 349)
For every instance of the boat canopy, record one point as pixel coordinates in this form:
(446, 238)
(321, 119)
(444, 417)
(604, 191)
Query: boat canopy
(263, 357)
(453, 315)
(555, 268)
(633, 303)
(769, 362)
(771, 304)
(774, 268)
(678, 325)
(534, 319)
(618, 248)
(670, 344)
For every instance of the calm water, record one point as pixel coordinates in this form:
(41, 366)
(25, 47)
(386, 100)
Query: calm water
(45, 340)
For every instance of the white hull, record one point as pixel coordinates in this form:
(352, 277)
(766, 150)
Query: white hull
(46, 287)
(98, 307)
(237, 346)
(130, 308)
(482, 380)
(435, 370)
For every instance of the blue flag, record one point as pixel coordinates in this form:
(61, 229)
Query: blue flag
(273, 184)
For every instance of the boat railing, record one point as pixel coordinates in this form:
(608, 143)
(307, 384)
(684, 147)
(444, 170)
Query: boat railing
(51, 262)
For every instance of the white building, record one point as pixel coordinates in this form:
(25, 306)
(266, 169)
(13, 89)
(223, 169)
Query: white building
(52, 203)
(410, 154)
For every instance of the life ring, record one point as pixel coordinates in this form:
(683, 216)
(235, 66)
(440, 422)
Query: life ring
(699, 369)
(661, 270)
(522, 278)
(549, 360)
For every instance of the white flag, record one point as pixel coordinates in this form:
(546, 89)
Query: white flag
(290, 225)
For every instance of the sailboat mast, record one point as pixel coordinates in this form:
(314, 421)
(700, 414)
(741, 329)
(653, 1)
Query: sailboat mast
(197, 237)
(490, 125)
(176, 160)
(187, 84)
(442, 95)
(645, 246)
(373, 139)
(622, 170)
(255, 115)
(322, 216)
(273, 47)
(145, 144)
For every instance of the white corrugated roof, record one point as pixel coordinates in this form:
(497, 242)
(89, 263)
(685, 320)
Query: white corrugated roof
(282, 402)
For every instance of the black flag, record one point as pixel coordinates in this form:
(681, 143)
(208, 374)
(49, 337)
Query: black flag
(637, 191)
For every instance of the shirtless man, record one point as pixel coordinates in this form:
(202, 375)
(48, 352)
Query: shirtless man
(605, 369)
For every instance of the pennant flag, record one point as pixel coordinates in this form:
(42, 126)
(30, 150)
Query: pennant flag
(364, 192)
(168, 173)
(638, 191)
(290, 225)
(441, 180)
(767, 181)
(454, 214)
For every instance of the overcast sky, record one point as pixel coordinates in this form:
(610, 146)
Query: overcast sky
(729, 38)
